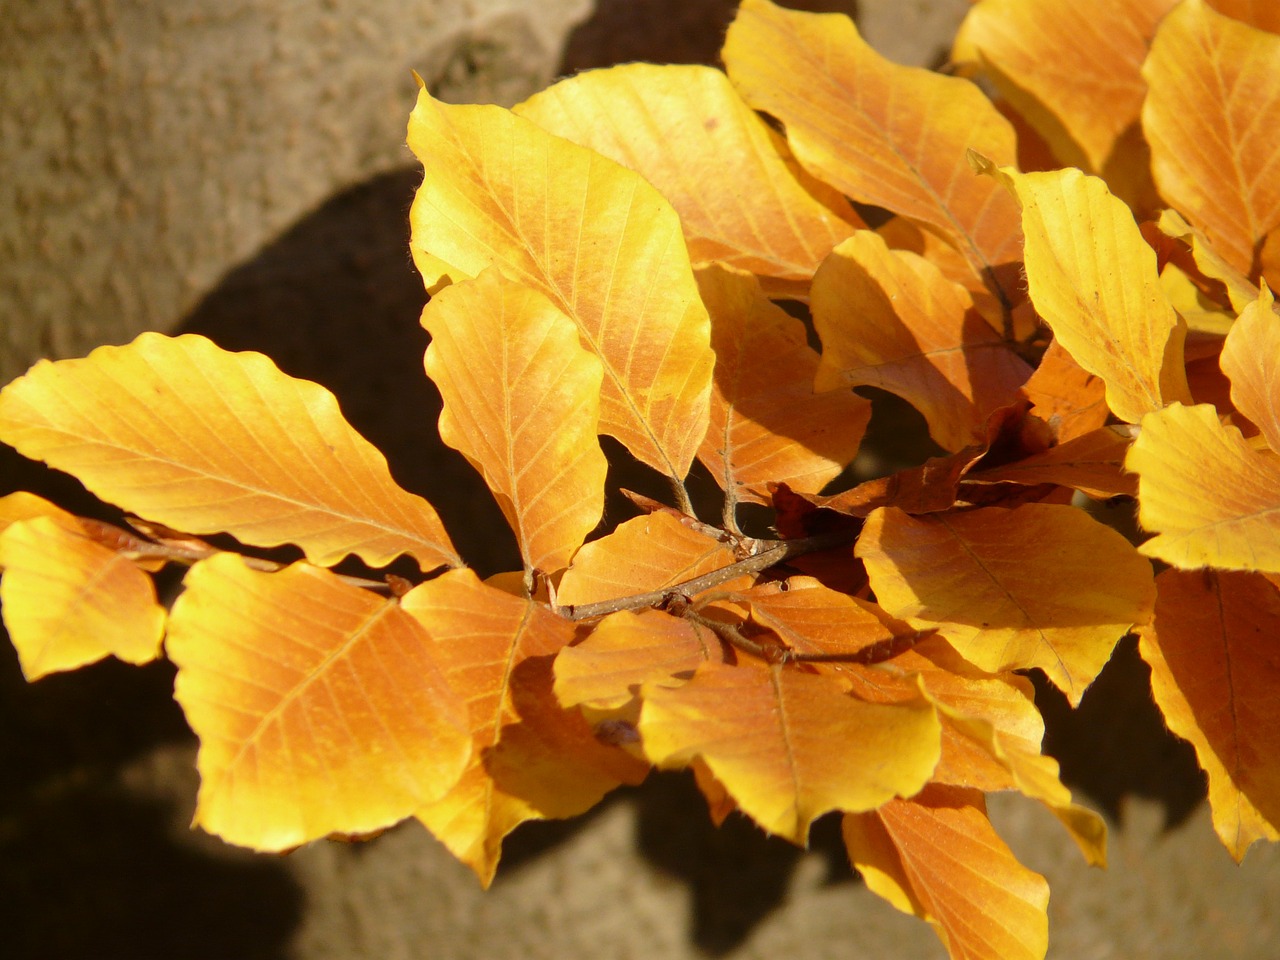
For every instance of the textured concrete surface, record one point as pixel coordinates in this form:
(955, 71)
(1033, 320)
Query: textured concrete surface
(305, 258)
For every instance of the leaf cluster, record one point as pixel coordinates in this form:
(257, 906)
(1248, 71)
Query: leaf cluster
(1068, 280)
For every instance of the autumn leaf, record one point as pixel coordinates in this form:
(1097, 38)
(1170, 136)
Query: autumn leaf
(530, 758)
(521, 402)
(321, 708)
(1214, 85)
(1210, 498)
(1039, 585)
(68, 600)
(1092, 463)
(767, 734)
(889, 319)
(1093, 279)
(180, 431)
(1207, 260)
(594, 238)
(881, 133)
(1214, 674)
(1251, 359)
(767, 423)
(937, 856)
(1070, 399)
(688, 132)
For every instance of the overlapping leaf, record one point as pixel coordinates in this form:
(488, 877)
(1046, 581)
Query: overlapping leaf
(321, 708)
(1066, 396)
(1210, 497)
(889, 319)
(686, 130)
(521, 402)
(180, 431)
(1214, 102)
(595, 238)
(1251, 359)
(1093, 279)
(767, 423)
(1040, 585)
(881, 133)
(1092, 463)
(531, 758)
(937, 856)
(787, 745)
(1214, 673)
(70, 601)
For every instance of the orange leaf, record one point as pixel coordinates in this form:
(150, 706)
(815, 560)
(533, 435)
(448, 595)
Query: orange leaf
(595, 239)
(880, 133)
(767, 424)
(69, 601)
(1251, 359)
(811, 618)
(530, 758)
(23, 505)
(686, 130)
(1092, 463)
(1214, 102)
(889, 319)
(937, 856)
(1207, 259)
(790, 745)
(180, 431)
(1065, 395)
(1211, 498)
(1041, 585)
(1214, 674)
(521, 402)
(1263, 14)
(320, 708)
(1093, 279)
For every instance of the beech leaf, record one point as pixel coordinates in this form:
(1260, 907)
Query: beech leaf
(1214, 85)
(768, 734)
(689, 133)
(177, 430)
(1251, 359)
(69, 601)
(1214, 673)
(1092, 463)
(321, 708)
(521, 402)
(1039, 585)
(593, 237)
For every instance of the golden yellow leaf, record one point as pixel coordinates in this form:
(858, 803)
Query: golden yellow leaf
(938, 857)
(1207, 259)
(1214, 673)
(1072, 68)
(767, 423)
(70, 601)
(24, 505)
(1039, 585)
(889, 319)
(809, 617)
(530, 758)
(521, 402)
(1093, 279)
(177, 430)
(686, 130)
(1092, 463)
(321, 708)
(594, 238)
(1251, 359)
(1214, 102)
(881, 133)
(1211, 499)
(769, 734)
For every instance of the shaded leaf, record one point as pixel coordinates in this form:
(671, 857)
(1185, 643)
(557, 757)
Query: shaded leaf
(686, 130)
(1092, 463)
(320, 707)
(938, 857)
(1207, 259)
(531, 758)
(1262, 14)
(788, 745)
(69, 601)
(889, 319)
(1066, 396)
(1093, 279)
(1214, 85)
(183, 432)
(521, 402)
(1041, 585)
(1251, 359)
(811, 618)
(1214, 674)
(1210, 498)
(879, 132)
(767, 423)
(595, 239)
